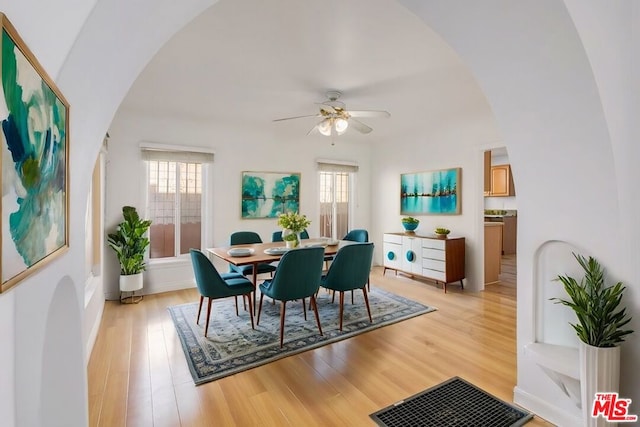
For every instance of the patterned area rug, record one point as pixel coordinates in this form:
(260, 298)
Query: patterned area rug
(232, 346)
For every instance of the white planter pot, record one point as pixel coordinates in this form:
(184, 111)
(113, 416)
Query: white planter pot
(599, 373)
(131, 282)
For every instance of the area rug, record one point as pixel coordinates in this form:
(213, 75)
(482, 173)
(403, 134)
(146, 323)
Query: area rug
(453, 403)
(232, 346)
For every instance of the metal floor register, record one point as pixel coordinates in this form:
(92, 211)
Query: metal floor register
(453, 403)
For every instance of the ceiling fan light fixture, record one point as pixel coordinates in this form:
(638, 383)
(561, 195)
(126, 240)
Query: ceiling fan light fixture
(335, 118)
(341, 125)
(324, 127)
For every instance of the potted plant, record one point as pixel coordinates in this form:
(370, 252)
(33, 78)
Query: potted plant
(292, 224)
(600, 329)
(291, 240)
(410, 223)
(441, 232)
(130, 243)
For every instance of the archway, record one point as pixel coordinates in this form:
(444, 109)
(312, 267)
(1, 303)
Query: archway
(502, 47)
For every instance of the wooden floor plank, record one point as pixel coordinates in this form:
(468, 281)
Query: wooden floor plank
(138, 375)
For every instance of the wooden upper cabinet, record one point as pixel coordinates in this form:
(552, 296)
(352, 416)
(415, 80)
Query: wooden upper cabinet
(502, 181)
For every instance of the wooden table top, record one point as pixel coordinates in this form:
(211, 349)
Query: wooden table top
(259, 256)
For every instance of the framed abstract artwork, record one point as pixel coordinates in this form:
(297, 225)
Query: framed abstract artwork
(34, 157)
(431, 193)
(268, 194)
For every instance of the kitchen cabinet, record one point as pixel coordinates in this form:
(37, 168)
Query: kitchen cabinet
(502, 181)
(441, 260)
(492, 251)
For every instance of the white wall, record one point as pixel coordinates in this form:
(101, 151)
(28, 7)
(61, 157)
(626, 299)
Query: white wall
(236, 150)
(612, 41)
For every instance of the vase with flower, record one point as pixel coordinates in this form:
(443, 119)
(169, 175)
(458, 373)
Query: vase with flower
(292, 224)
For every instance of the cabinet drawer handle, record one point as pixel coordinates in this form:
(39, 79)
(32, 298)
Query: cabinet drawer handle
(411, 256)
(391, 256)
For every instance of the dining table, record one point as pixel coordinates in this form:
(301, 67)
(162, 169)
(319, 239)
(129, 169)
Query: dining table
(258, 253)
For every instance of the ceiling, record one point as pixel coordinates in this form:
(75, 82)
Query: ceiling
(247, 62)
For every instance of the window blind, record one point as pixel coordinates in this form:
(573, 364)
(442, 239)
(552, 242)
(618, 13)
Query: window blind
(175, 154)
(325, 165)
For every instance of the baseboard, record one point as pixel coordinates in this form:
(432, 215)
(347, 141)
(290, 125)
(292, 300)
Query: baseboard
(92, 311)
(93, 334)
(169, 286)
(544, 410)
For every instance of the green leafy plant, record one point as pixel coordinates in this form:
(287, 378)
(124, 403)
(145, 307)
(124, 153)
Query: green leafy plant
(441, 230)
(293, 221)
(600, 317)
(410, 220)
(129, 241)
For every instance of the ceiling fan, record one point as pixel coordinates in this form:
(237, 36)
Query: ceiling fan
(336, 119)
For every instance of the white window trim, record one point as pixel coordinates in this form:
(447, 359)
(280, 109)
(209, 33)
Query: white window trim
(330, 165)
(206, 231)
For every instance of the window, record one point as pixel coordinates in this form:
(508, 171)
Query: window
(336, 188)
(174, 201)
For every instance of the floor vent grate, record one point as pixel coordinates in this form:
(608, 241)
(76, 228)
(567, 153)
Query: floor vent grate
(453, 403)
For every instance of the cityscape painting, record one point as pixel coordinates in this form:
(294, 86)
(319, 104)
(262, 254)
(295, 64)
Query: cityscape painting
(431, 193)
(269, 194)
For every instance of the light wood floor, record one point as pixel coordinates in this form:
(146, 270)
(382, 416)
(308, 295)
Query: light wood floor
(138, 375)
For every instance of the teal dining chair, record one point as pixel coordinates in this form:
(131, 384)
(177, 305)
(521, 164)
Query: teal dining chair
(297, 277)
(213, 285)
(245, 238)
(357, 235)
(277, 236)
(350, 271)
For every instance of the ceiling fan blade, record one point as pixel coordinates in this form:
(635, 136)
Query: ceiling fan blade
(368, 113)
(313, 130)
(359, 126)
(296, 117)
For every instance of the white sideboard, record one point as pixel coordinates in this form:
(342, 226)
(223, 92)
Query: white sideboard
(441, 260)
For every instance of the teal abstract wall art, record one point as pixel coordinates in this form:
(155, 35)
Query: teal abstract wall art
(268, 194)
(34, 155)
(431, 193)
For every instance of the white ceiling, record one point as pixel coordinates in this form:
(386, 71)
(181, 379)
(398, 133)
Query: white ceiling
(247, 62)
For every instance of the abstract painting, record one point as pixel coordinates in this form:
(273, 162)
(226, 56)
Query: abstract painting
(431, 193)
(34, 160)
(268, 194)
